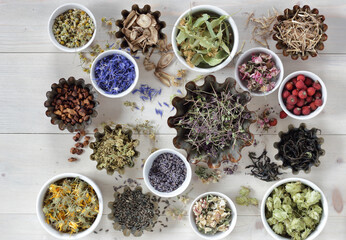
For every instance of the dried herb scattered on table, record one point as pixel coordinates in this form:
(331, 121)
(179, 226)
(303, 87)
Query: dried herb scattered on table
(244, 199)
(114, 149)
(299, 148)
(207, 175)
(70, 205)
(114, 73)
(263, 168)
(214, 122)
(259, 73)
(294, 210)
(167, 173)
(204, 40)
(73, 28)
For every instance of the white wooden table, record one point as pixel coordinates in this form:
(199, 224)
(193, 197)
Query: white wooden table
(33, 150)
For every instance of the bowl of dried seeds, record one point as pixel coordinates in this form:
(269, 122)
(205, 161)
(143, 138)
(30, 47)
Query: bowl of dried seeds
(71, 104)
(60, 203)
(167, 173)
(114, 149)
(72, 27)
(133, 211)
(205, 38)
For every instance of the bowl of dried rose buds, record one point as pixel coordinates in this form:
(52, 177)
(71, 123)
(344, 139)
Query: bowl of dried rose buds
(114, 73)
(259, 71)
(302, 95)
(72, 27)
(213, 215)
(167, 173)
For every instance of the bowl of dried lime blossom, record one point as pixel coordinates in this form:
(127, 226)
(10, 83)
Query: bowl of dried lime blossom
(213, 215)
(69, 206)
(72, 27)
(114, 149)
(205, 38)
(294, 208)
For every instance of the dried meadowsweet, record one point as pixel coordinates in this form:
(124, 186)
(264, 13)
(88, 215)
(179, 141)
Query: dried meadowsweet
(70, 205)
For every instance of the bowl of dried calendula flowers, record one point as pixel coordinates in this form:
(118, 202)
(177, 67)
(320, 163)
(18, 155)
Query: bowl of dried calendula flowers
(205, 38)
(72, 27)
(69, 206)
(71, 104)
(114, 149)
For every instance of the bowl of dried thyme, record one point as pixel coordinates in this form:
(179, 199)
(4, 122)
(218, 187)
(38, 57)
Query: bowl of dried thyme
(72, 27)
(69, 206)
(205, 38)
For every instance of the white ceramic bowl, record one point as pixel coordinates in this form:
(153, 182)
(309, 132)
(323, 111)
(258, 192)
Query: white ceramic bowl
(39, 205)
(149, 163)
(218, 235)
(324, 217)
(219, 11)
(105, 54)
(63, 8)
(247, 56)
(314, 77)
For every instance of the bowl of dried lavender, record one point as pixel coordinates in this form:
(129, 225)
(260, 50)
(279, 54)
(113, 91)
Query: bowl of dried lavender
(299, 148)
(114, 149)
(205, 38)
(300, 32)
(69, 206)
(72, 27)
(259, 71)
(212, 122)
(71, 104)
(167, 173)
(133, 211)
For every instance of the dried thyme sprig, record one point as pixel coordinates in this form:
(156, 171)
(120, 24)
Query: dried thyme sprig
(263, 168)
(207, 175)
(214, 122)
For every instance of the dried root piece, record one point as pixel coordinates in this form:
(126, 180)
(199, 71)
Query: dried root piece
(165, 60)
(165, 78)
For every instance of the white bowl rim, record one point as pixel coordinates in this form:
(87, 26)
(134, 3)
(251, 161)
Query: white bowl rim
(105, 54)
(324, 216)
(278, 63)
(235, 33)
(59, 10)
(148, 164)
(218, 235)
(39, 203)
(314, 77)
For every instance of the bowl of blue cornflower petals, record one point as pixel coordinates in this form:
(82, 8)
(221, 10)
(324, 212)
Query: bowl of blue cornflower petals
(114, 73)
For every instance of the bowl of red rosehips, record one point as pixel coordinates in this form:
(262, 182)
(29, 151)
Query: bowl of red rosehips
(302, 95)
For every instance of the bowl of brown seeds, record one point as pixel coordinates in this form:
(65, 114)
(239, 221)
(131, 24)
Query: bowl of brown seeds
(72, 27)
(71, 104)
(300, 32)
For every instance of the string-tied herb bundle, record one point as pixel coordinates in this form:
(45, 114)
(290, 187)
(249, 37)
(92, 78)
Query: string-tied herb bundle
(215, 121)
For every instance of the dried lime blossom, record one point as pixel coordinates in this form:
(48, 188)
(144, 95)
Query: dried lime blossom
(73, 28)
(70, 205)
(114, 149)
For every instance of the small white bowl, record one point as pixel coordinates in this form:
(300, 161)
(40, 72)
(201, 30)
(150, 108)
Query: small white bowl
(247, 56)
(218, 235)
(63, 8)
(149, 163)
(103, 55)
(219, 11)
(324, 217)
(39, 205)
(314, 77)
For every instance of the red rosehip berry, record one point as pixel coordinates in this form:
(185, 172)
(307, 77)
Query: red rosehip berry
(289, 106)
(289, 86)
(297, 111)
(283, 114)
(313, 106)
(285, 94)
(316, 85)
(306, 110)
(318, 102)
(295, 92)
(292, 100)
(302, 94)
(300, 85)
(300, 102)
(273, 122)
(311, 91)
(308, 82)
(301, 77)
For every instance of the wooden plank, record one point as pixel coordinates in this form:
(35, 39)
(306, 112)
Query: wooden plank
(15, 226)
(27, 32)
(27, 77)
(30, 160)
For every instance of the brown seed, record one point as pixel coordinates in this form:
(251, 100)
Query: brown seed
(76, 137)
(80, 151)
(85, 143)
(82, 133)
(96, 130)
(73, 150)
(87, 138)
(79, 145)
(72, 159)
